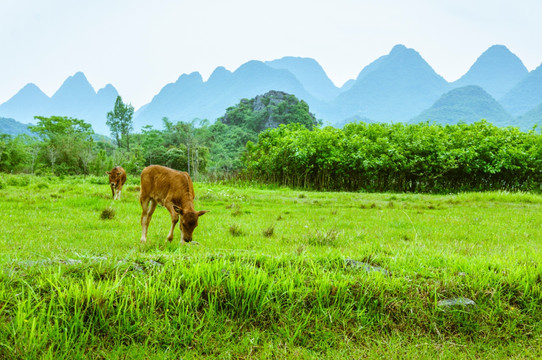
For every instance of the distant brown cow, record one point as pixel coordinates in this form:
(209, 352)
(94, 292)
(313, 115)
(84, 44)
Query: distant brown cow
(117, 178)
(174, 190)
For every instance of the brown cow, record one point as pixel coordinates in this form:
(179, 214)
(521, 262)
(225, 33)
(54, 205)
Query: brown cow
(117, 178)
(173, 190)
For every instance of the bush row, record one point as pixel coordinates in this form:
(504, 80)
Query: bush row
(399, 157)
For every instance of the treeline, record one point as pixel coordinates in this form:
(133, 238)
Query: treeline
(274, 138)
(65, 146)
(68, 146)
(398, 157)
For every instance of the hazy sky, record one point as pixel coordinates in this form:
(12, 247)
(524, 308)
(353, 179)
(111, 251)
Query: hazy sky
(140, 46)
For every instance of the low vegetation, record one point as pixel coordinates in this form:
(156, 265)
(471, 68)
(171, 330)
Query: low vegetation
(398, 157)
(280, 273)
(274, 138)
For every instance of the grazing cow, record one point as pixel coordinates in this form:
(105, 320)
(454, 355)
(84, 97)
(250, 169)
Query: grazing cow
(173, 190)
(117, 178)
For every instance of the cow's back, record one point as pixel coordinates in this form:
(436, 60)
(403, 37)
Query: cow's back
(162, 183)
(122, 175)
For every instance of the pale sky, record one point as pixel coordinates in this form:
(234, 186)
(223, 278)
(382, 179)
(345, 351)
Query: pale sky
(140, 46)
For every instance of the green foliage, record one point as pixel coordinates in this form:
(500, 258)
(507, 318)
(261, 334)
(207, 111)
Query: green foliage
(277, 141)
(66, 143)
(14, 154)
(398, 157)
(120, 122)
(181, 146)
(242, 124)
(20, 181)
(269, 111)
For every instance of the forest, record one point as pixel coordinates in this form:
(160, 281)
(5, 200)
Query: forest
(275, 139)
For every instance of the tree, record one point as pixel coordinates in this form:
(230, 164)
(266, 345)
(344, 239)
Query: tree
(52, 153)
(120, 122)
(34, 150)
(87, 155)
(63, 140)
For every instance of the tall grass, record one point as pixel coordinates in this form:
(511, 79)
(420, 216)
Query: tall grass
(75, 286)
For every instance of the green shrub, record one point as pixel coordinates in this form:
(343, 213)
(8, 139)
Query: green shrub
(321, 238)
(108, 214)
(18, 180)
(398, 157)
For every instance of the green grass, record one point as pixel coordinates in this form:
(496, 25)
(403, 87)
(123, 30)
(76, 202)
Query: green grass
(275, 274)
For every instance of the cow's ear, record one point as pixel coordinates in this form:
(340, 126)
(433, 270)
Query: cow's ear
(108, 172)
(202, 212)
(177, 209)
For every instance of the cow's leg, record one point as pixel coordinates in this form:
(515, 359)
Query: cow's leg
(113, 192)
(174, 221)
(119, 190)
(148, 206)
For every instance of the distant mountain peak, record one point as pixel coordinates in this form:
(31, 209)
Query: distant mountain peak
(77, 78)
(469, 104)
(526, 94)
(311, 75)
(497, 70)
(399, 48)
(30, 86)
(294, 59)
(108, 87)
(79, 75)
(108, 90)
(25, 104)
(75, 98)
(31, 89)
(219, 74)
(76, 85)
(404, 53)
(497, 53)
(192, 77)
(394, 87)
(497, 49)
(220, 70)
(252, 65)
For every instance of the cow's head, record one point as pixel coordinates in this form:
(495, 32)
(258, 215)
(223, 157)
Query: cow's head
(189, 221)
(114, 177)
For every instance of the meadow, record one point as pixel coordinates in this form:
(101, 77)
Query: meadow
(276, 273)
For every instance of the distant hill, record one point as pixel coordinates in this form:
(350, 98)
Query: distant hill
(525, 95)
(12, 127)
(532, 117)
(75, 98)
(497, 70)
(395, 87)
(25, 104)
(269, 111)
(467, 104)
(310, 74)
(190, 97)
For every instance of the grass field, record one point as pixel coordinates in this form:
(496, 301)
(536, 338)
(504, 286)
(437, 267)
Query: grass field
(278, 273)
